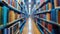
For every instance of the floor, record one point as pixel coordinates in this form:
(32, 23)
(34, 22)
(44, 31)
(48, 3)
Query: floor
(30, 27)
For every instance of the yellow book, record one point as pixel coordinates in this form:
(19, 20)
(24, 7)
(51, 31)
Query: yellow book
(0, 15)
(49, 6)
(11, 16)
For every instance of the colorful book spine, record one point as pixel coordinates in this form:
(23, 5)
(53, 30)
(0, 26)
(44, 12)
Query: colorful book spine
(42, 1)
(13, 3)
(8, 1)
(49, 19)
(16, 3)
(1, 15)
(5, 14)
(56, 3)
(1, 32)
(17, 16)
(59, 17)
(11, 15)
(49, 6)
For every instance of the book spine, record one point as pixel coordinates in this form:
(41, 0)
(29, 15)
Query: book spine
(0, 31)
(59, 17)
(17, 16)
(56, 3)
(5, 14)
(49, 6)
(11, 16)
(1, 15)
(8, 1)
(53, 15)
(13, 3)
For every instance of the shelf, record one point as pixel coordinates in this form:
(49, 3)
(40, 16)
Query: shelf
(16, 31)
(39, 29)
(9, 24)
(42, 4)
(11, 7)
(44, 28)
(50, 22)
(42, 12)
(58, 8)
(22, 24)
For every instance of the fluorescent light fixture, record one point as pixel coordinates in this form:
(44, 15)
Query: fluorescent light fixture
(29, 9)
(29, 1)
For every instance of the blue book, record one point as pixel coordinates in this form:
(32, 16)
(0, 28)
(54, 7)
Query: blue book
(10, 2)
(5, 14)
(54, 15)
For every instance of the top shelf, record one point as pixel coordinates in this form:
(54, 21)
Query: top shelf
(9, 6)
(42, 5)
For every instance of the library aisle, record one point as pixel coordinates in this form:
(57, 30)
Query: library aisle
(30, 27)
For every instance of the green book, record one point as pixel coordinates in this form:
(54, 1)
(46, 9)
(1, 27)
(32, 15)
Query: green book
(0, 15)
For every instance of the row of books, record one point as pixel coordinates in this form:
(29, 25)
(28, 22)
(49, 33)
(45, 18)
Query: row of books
(14, 29)
(53, 15)
(13, 3)
(7, 16)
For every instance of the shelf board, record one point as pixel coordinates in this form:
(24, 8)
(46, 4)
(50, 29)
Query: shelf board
(22, 24)
(11, 7)
(44, 3)
(44, 28)
(42, 12)
(16, 31)
(39, 29)
(50, 22)
(58, 8)
(9, 24)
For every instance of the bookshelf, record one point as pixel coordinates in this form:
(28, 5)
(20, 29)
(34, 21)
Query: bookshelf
(48, 16)
(12, 20)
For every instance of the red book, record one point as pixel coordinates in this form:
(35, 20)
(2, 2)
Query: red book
(56, 3)
(59, 17)
(13, 3)
(49, 27)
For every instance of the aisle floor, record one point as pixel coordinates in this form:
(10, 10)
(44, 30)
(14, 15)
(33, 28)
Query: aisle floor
(30, 27)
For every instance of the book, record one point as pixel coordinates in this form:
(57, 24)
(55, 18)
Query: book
(50, 27)
(49, 6)
(13, 3)
(1, 15)
(48, 16)
(16, 3)
(56, 3)
(58, 16)
(53, 15)
(11, 15)
(45, 32)
(9, 1)
(1, 32)
(42, 1)
(17, 16)
(5, 15)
